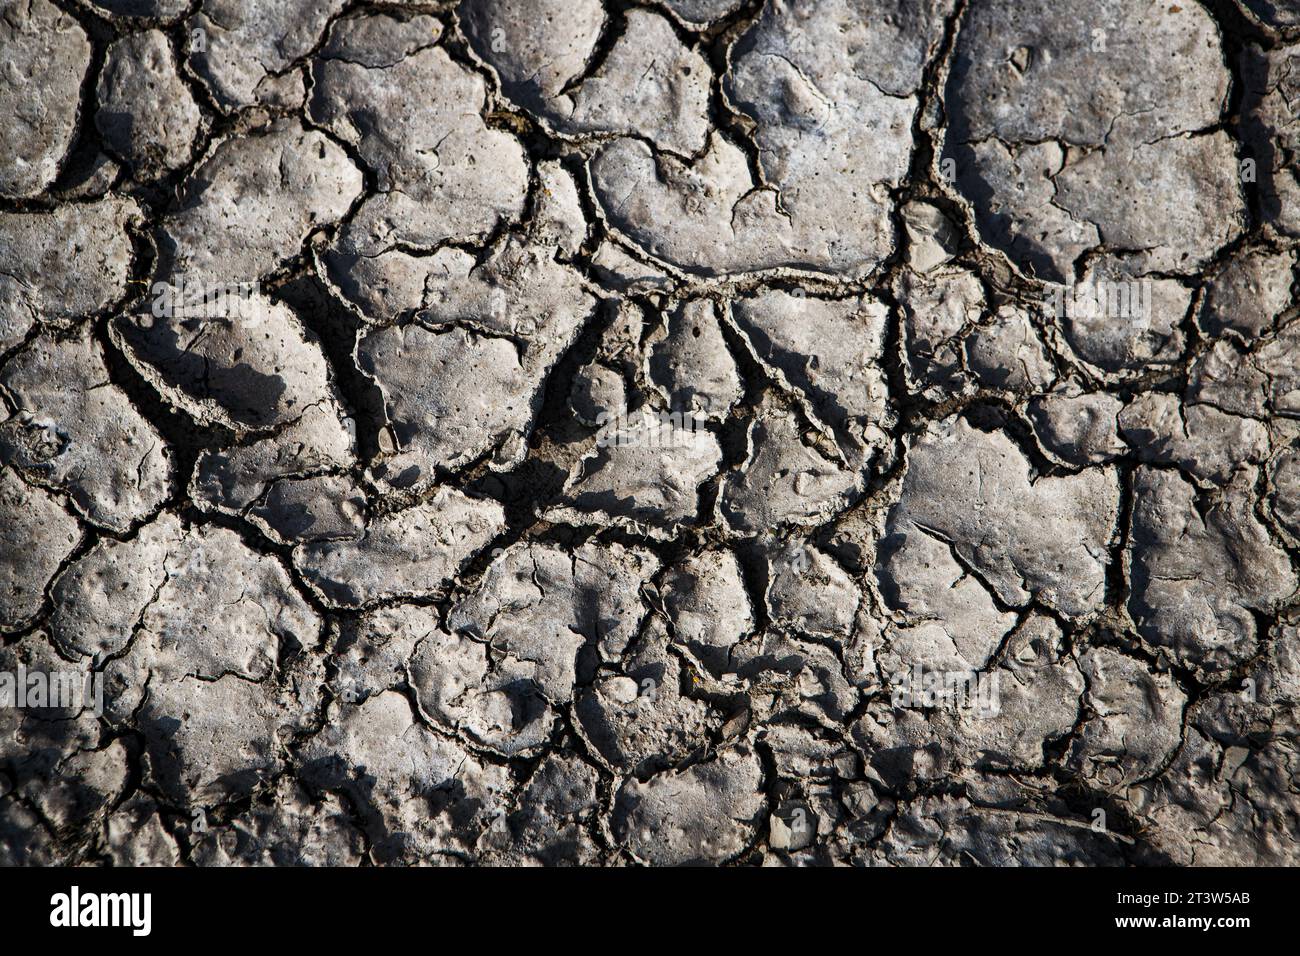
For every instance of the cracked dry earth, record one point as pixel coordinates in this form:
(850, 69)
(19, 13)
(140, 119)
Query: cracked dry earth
(365, 578)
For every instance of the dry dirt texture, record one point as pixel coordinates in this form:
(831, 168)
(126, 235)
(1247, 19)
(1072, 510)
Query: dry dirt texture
(762, 432)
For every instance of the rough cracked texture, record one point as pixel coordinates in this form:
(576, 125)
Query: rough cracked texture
(558, 432)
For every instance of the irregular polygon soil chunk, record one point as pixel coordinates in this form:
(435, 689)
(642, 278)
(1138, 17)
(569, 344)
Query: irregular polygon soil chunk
(1199, 570)
(253, 370)
(705, 814)
(410, 553)
(146, 112)
(537, 47)
(647, 469)
(690, 365)
(786, 479)
(73, 429)
(1064, 139)
(1042, 539)
(253, 201)
(46, 55)
(36, 536)
(247, 50)
(64, 264)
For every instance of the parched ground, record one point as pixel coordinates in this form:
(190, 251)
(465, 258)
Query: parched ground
(565, 432)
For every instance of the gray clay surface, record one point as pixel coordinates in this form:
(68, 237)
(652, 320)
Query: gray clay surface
(729, 432)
